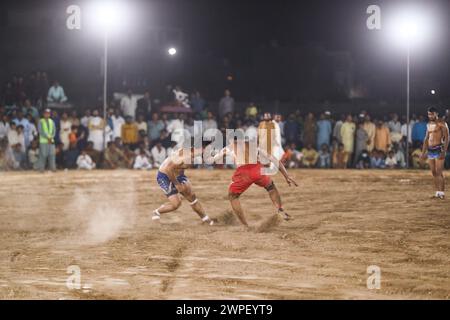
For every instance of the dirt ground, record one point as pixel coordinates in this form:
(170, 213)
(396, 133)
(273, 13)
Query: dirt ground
(344, 222)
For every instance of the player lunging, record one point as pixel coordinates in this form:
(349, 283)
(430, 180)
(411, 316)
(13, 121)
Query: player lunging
(435, 146)
(172, 180)
(248, 173)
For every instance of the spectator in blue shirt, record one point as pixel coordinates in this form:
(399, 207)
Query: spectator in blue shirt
(323, 131)
(419, 130)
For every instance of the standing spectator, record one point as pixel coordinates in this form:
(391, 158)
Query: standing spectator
(96, 128)
(144, 106)
(419, 130)
(382, 137)
(85, 162)
(47, 132)
(74, 118)
(370, 128)
(117, 122)
(16, 141)
(324, 157)
(86, 118)
(340, 157)
(128, 105)
(208, 124)
(154, 127)
(323, 131)
(310, 156)
(130, 132)
(4, 127)
(226, 104)
(309, 130)
(141, 123)
(142, 161)
(198, 104)
(29, 109)
(395, 128)
(361, 140)
(56, 93)
(158, 154)
(337, 129)
(22, 121)
(348, 136)
(32, 130)
(65, 129)
(291, 129)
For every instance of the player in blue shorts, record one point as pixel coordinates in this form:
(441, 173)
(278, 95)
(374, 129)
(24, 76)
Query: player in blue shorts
(173, 182)
(435, 146)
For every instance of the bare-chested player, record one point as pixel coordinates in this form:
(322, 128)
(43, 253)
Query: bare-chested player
(435, 146)
(248, 173)
(172, 180)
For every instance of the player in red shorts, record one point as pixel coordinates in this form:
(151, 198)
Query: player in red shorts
(251, 172)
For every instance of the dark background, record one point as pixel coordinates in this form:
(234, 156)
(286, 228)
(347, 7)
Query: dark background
(291, 53)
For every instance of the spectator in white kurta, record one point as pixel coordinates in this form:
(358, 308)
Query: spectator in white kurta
(142, 161)
(96, 127)
(226, 104)
(86, 118)
(64, 131)
(118, 122)
(128, 105)
(85, 162)
(159, 154)
(56, 93)
(4, 127)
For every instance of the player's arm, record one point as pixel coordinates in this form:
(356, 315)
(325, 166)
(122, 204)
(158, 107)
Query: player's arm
(446, 140)
(170, 171)
(425, 145)
(280, 166)
(218, 156)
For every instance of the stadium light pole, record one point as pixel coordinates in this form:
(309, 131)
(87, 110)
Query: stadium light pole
(407, 30)
(107, 14)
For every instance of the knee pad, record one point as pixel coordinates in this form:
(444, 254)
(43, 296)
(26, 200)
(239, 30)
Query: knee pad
(270, 187)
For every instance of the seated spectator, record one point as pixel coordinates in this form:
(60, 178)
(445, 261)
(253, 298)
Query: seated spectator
(33, 155)
(310, 156)
(95, 155)
(417, 162)
(56, 93)
(142, 161)
(59, 156)
(391, 160)
(84, 161)
(340, 157)
(70, 157)
(324, 157)
(115, 158)
(158, 153)
(377, 159)
(363, 161)
(165, 139)
(129, 132)
(399, 156)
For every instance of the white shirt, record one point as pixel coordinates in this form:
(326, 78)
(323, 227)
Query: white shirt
(15, 138)
(4, 129)
(85, 162)
(158, 155)
(142, 162)
(117, 124)
(411, 124)
(128, 106)
(56, 94)
(85, 121)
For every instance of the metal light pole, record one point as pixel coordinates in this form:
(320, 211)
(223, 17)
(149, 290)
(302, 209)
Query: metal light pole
(408, 54)
(105, 86)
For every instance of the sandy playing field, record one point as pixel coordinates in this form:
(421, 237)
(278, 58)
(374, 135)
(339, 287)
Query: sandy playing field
(344, 221)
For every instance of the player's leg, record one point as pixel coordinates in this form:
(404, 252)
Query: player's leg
(432, 163)
(237, 208)
(440, 180)
(194, 203)
(173, 203)
(267, 183)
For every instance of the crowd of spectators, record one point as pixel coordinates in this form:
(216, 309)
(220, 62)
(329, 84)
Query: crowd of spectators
(136, 135)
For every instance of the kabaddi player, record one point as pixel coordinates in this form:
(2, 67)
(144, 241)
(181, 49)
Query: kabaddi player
(435, 146)
(248, 173)
(173, 182)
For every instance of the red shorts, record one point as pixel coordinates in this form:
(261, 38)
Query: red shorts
(245, 176)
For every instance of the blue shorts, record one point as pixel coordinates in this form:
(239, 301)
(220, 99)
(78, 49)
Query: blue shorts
(434, 152)
(166, 185)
